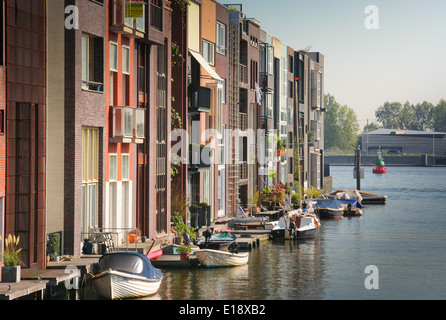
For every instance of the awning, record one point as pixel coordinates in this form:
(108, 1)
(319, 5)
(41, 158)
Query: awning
(205, 65)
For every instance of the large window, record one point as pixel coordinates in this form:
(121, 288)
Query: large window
(208, 52)
(90, 178)
(221, 38)
(126, 216)
(113, 72)
(92, 63)
(125, 76)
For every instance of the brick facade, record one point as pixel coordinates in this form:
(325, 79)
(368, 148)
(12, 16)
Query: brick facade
(83, 108)
(25, 180)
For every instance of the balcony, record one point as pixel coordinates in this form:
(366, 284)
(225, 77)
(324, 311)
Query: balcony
(200, 100)
(128, 125)
(128, 18)
(266, 82)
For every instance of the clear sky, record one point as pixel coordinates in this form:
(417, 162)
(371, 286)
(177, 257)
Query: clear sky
(403, 60)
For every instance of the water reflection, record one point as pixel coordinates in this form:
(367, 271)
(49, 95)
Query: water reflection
(276, 270)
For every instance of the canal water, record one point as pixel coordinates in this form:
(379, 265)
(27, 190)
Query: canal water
(402, 241)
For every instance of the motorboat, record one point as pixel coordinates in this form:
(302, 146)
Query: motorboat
(363, 197)
(352, 207)
(217, 241)
(329, 209)
(211, 258)
(124, 275)
(296, 224)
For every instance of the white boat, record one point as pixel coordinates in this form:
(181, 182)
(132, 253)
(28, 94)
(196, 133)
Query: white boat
(217, 258)
(296, 225)
(124, 275)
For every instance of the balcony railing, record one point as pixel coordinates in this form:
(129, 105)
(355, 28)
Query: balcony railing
(128, 19)
(128, 125)
(92, 86)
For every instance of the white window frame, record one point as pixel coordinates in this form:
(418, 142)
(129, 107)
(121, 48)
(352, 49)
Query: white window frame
(113, 172)
(221, 38)
(125, 63)
(209, 54)
(125, 171)
(114, 62)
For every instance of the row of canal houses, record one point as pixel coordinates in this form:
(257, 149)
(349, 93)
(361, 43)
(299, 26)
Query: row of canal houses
(91, 92)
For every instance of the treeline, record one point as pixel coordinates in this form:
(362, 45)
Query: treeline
(342, 129)
(423, 116)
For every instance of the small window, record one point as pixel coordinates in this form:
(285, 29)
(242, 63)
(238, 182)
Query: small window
(208, 52)
(113, 167)
(221, 38)
(125, 167)
(125, 60)
(113, 56)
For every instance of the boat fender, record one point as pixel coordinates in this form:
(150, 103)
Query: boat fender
(315, 222)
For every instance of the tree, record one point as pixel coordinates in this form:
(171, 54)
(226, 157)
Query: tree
(371, 127)
(393, 115)
(389, 115)
(439, 122)
(341, 125)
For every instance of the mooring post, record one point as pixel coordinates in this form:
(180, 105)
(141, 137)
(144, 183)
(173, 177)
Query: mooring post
(358, 167)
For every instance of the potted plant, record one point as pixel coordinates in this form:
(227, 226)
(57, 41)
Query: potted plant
(281, 147)
(194, 215)
(11, 259)
(184, 251)
(202, 210)
(255, 202)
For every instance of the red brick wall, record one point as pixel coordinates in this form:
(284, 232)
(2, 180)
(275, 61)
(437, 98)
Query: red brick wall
(25, 180)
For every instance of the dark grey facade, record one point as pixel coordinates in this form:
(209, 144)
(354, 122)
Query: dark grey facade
(394, 141)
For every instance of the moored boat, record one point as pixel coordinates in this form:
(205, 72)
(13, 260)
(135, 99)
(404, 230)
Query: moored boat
(218, 241)
(216, 258)
(363, 197)
(296, 225)
(329, 209)
(126, 275)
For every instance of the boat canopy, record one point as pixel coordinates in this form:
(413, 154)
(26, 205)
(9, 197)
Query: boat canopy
(129, 262)
(223, 236)
(336, 203)
(353, 202)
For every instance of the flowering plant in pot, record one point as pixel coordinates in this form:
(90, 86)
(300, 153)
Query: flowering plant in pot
(11, 260)
(184, 251)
